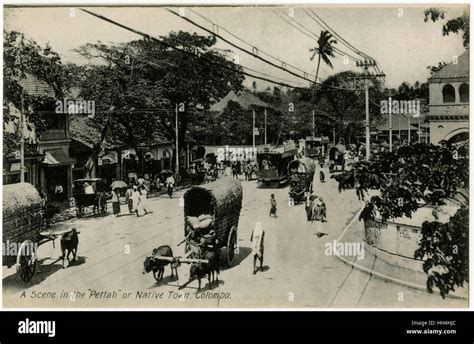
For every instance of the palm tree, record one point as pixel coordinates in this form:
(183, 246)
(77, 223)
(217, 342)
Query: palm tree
(324, 50)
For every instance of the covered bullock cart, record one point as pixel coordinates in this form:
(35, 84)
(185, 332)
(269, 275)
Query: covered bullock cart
(301, 173)
(23, 228)
(213, 210)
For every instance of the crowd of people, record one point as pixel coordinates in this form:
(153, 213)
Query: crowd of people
(208, 171)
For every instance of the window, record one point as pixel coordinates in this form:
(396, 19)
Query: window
(464, 93)
(448, 94)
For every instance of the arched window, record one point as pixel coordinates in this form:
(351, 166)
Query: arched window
(448, 94)
(464, 93)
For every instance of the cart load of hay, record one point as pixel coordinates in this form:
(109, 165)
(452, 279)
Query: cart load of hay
(22, 218)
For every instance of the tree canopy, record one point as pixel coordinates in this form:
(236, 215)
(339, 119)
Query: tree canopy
(138, 85)
(414, 176)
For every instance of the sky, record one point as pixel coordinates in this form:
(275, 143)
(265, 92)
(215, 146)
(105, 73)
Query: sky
(397, 37)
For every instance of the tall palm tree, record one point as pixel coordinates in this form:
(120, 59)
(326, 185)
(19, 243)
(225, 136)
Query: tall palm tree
(324, 50)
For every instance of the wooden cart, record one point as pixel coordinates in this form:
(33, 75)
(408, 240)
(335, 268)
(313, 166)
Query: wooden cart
(301, 173)
(23, 228)
(222, 200)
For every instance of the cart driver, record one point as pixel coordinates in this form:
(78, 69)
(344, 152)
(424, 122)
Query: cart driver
(88, 189)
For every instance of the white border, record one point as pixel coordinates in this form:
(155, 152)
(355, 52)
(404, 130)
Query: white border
(247, 3)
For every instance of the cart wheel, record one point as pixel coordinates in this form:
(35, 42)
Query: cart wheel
(231, 246)
(26, 261)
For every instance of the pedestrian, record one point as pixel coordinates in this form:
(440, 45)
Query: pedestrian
(170, 183)
(128, 198)
(139, 208)
(318, 215)
(227, 171)
(247, 171)
(115, 203)
(235, 172)
(273, 205)
(135, 199)
(143, 198)
(257, 240)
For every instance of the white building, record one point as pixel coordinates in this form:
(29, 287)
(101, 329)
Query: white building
(449, 101)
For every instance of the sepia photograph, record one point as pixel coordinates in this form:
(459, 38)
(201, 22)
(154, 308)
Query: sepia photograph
(232, 157)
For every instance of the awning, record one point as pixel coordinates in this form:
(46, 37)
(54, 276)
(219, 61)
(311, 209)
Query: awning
(57, 158)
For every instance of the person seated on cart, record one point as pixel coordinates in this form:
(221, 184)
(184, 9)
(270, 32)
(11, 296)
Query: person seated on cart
(88, 189)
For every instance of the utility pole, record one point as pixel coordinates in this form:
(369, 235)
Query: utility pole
(314, 131)
(177, 147)
(365, 64)
(265, 126)
(22, 140)
(390, 123)
(399, 130)
(419, 130)
(409, 131)
(253, 129)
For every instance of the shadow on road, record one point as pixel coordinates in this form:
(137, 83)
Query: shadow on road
(13, 283)
(164, 281)
(244, 252)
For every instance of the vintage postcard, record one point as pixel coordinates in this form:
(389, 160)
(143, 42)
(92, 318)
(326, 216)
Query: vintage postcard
(305, 156)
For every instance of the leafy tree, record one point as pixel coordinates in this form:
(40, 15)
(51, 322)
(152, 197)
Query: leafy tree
(341, 96)
(434, 69)
(445, 248)
(22, 56)
(415, 176)
(144, 81)
(324, 50)
(455, 25)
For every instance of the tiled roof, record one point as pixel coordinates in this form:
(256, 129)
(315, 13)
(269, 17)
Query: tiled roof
(454, 71)
(35, 87)
(244, 98)
(384, 125)
(87, 131)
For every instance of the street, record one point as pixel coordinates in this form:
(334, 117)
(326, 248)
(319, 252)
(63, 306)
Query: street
(296, 273)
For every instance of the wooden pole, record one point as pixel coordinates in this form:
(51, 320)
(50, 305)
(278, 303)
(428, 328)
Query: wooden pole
(22, 141)
(265, 126)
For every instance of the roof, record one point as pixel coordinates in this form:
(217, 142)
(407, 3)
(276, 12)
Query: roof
(57, 158)
(88, 180)
(454, 71)
(35, 87)
(244, 98)
(225, 193)
(87, 131)
(398, 123)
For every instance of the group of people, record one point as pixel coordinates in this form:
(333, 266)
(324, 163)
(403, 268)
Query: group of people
(212, 171)
(136, 198)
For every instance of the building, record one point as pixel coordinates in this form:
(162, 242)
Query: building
(449, 102)
(47, 160)
(115, 160)
(402, 128)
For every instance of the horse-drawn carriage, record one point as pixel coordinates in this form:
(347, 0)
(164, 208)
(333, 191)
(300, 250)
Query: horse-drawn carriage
(90, 192)
(212, 213)
(301, 174)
